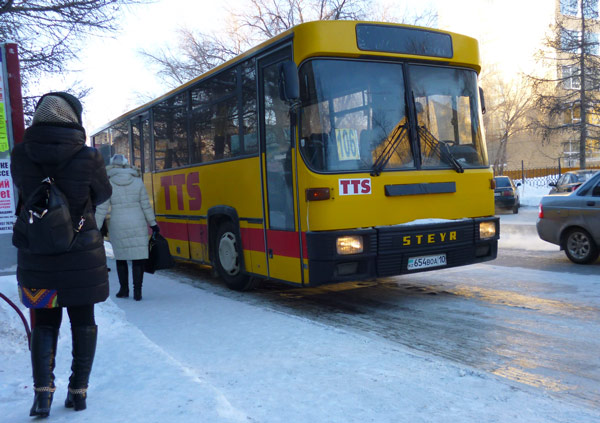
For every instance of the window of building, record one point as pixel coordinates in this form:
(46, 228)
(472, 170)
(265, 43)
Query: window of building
(570, 41)
(571, 153)
(570, 75)
(569, 7)
(592, 43)
(573, 8)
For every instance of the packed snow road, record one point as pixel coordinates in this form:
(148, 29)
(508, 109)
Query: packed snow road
(531, 316)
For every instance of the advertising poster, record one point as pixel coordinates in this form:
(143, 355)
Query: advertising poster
(7, 204)
(3, 127)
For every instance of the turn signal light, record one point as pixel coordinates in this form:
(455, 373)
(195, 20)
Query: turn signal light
(540, 211)
(317, 194)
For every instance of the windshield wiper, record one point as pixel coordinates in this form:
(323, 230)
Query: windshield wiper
(393, 141)
(441, 147)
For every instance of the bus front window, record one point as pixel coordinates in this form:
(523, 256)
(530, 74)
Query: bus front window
(448, 117)
(354, 116)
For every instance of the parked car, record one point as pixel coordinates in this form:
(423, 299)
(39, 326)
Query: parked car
(506, 194)
(570, 181)
(572, 221)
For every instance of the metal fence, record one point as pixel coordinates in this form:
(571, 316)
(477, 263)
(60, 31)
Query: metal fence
(540, 176)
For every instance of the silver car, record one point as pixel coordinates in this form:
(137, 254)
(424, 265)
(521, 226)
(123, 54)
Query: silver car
(572, 221)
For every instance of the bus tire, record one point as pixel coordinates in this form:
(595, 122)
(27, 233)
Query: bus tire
(228, 258)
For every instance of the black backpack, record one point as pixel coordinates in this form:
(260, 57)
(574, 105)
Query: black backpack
(44, 224)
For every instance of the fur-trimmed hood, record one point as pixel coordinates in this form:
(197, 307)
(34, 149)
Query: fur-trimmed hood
(120, 175)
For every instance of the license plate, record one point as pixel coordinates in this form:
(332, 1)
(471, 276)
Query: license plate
(424, 262)
(497, 194)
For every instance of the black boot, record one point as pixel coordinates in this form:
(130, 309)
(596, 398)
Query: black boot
(43, 353)
(137, 268)
(123, 274)
(84, 348)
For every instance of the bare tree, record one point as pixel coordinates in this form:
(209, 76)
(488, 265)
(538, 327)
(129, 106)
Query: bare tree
(49, 32)
(567, 99)
(262, 19)
(508, 104)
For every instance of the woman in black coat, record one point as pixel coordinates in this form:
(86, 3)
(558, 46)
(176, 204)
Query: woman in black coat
(54, 145)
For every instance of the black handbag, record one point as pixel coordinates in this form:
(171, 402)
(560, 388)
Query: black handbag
(159, 256)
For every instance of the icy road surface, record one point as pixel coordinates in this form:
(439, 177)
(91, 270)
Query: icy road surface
(531, 316)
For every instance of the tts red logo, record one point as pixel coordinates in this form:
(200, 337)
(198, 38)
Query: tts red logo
(355, 186)
(179, 181)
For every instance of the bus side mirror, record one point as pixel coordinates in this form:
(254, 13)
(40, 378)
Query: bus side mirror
(289, 84)
(482, 99)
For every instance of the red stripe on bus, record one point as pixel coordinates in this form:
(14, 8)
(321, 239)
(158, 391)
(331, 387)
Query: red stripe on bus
(253, 239)
(283, 243)
(198, 232)
(174, 230)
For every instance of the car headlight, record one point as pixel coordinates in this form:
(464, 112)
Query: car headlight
(487, 230)
(349, 245)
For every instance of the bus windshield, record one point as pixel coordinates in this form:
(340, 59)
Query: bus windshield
(354, 117)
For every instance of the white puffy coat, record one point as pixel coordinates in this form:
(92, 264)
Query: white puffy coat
(130, 214)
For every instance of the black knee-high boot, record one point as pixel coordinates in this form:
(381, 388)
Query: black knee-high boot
(123, 274)
(137, 268)
(43, 354)
(84, 348)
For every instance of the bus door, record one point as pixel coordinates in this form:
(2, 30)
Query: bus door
(281, 236)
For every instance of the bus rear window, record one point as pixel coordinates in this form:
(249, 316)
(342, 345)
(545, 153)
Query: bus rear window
(391, 39)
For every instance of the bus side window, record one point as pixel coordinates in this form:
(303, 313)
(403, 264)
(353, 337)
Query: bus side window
(170, 133)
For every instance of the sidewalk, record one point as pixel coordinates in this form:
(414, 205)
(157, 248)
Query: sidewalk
(8, 255)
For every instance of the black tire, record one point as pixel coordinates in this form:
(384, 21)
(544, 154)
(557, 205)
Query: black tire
(580, 247)
(228, 258)
(515, 209)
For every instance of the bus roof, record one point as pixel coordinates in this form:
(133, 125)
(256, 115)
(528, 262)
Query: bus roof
(334, 39)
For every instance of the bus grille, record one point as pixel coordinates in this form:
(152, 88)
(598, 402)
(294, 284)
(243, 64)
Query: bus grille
(397, 244)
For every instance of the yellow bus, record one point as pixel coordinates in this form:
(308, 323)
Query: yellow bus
(336, 151)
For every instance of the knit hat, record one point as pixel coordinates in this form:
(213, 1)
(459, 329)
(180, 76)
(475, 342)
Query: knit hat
(58, 107)
(119, 160)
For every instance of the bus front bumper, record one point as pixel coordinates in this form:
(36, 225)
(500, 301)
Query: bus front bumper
(400, 249)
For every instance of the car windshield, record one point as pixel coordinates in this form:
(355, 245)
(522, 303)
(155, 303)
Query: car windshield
(502, 183)
(354, 117)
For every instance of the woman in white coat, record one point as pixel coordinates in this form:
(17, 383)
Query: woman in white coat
(130, 216)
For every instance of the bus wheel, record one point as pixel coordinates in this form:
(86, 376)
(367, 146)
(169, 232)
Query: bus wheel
(228, 261)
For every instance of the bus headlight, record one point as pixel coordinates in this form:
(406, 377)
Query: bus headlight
(349, 245)
(487, 230)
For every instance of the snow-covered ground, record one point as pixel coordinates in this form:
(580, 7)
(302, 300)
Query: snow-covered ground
(229, 361)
